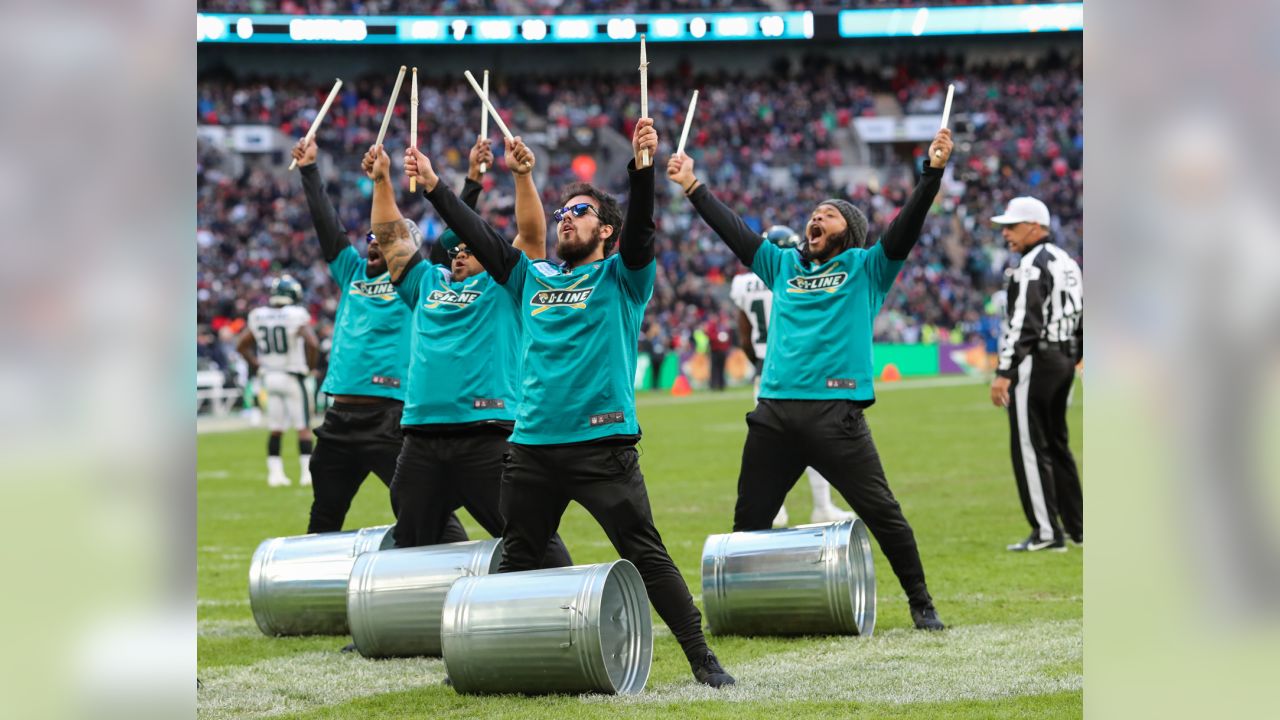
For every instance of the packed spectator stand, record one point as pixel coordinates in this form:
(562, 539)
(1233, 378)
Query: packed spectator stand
(1019, 130)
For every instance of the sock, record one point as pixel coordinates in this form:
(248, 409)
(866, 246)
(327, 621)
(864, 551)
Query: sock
(821, 490)
(273, 445)
(304, 456)
(275, 465)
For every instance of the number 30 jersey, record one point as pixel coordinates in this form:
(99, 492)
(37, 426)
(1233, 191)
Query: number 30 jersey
(752, 297)
(278, 333)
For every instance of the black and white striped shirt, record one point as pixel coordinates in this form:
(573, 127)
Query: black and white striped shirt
(1045, 303)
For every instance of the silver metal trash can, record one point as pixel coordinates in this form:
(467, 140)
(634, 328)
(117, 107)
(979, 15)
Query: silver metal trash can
(564, 630)
(395, 596)
(806, 580)
(298, 585)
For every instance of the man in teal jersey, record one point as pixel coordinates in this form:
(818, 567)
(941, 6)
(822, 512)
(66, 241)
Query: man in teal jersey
(818, 368)
(361, 431)
(576, 426)
(458, 413)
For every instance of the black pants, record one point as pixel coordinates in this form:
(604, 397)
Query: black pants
(785, 436)
(718, 358)
(439, 472)
(537, 485)
(1048, 481)
(355, 440)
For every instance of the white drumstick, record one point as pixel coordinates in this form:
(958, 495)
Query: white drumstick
(688, 120)
(946, 113)
(413, 123)
(489, 106)
(391, 106)
(315, 124)
(644, 95)
(484, 121)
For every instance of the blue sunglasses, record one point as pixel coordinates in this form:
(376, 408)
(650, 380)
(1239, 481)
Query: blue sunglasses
(578, 211)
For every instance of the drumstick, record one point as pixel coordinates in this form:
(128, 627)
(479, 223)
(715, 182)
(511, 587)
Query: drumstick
(391, 106)
(688, 120)
(413, 123)
(506, 133)
(946, 113)
(484, 121)
(315, 124)
(644, 95)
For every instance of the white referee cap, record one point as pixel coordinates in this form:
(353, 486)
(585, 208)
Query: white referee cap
(1024, 209)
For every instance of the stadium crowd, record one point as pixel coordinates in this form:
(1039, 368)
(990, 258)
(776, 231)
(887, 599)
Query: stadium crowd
(1019, 131)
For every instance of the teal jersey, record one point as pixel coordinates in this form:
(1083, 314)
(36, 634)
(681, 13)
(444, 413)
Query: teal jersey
(463, 361)
(370, 334)
(820, 327)
(578, 338)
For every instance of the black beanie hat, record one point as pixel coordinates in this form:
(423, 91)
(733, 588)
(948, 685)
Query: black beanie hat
(853, 217)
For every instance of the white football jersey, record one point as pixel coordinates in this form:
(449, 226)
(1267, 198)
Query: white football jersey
(751, 296)
(278, 333)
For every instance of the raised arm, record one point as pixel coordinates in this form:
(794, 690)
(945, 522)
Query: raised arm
(481, 153)
(636, 244)
(496, 256)
(398, 238)
(732, 230)
(904, 231)
(531, 219)
(333, 236)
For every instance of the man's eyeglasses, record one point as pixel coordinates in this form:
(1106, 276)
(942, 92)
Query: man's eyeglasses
(456, 251)
(578, 211)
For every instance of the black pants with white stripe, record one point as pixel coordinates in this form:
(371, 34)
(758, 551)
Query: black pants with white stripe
(1048, 482)
(357, 439)
(832, 436)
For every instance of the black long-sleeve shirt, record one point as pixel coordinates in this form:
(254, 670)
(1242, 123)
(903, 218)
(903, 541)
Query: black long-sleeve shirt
(329, 229)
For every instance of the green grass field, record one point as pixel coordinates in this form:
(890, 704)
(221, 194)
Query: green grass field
(1014, 647)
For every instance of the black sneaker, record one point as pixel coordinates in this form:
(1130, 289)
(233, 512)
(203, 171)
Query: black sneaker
(1077, 540)
(708, 672)
(447, 681)
(1035, 544)
(926, 618)
(349, 647)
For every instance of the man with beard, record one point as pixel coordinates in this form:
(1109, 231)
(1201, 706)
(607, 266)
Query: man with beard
(361, 430)
(457, 413)
(576, 427)
(817, 373)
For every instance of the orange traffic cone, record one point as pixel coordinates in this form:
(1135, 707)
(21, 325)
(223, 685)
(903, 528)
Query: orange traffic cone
(890, 373)
(680, 387)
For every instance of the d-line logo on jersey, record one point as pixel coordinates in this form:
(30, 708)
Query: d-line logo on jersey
(571, 296)
(828, 282)
(449, 296)
(379, 287)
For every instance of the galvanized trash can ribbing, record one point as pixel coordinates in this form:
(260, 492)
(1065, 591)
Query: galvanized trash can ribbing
(564, 630)
(298, 585)
(395, 596)
(806, 580)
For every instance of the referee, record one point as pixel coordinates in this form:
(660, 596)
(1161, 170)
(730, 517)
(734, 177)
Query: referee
(1038, 355)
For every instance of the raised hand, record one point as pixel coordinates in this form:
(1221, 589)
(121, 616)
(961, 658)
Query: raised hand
(304, 151)
(940, 149)
(520, 159)
(644, 138)
(418, 165)
(481, 154)
(376, 163)
(680, 171)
